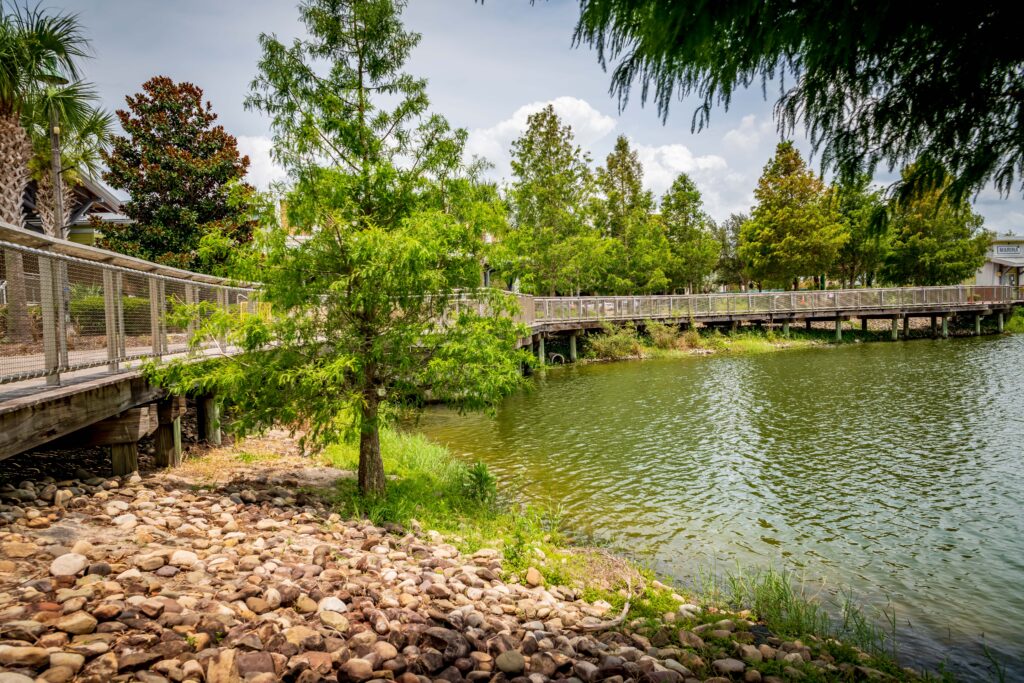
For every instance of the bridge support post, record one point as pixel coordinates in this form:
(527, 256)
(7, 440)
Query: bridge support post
(863, 324)
(168, 431)
(785, 329)
(839, 329)
(999, 322)
(124, 458)
(906, 327)
(945, 327)
(935, 329)
(895, 328)
(572, 347)
(540, 350)
(208, 417)
(807, 324)
(734, 326)
(977, 325)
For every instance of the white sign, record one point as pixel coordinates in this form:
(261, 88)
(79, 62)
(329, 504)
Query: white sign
(1006, 249)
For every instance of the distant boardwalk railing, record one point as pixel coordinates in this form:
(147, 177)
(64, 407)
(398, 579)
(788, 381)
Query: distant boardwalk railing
(802, 303)
(69, 307)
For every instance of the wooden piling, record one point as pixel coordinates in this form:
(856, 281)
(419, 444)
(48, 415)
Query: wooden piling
(572, 347)
(208, 417)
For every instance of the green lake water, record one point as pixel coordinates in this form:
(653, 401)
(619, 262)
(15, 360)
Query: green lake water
(892, 469)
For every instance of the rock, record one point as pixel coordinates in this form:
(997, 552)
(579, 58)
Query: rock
(332, 604)
(752, 676)
(11, 677)
(223, 668)
(358, 669)
(749, 653)
(305, 605)
(12, 655)
(183, 558)
(69, 564)
(148, 563)
(691, 639)
(510, 662)
(77, 623)
(18, 550)
(334, 620)
(71, 660)
(534, 577)
(728, 666)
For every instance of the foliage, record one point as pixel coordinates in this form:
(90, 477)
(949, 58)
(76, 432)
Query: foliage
(177, 166)
(88, 313)
(367, 311)
(549, 245)
(663, 336)
(934, 242)
(730, 270)
(795, 230)
(695, 251)
(614, 343)
(429, 486)
(860, 208)
(479, 484)
(942, 86)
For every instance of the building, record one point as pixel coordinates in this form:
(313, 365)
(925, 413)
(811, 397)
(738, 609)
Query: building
(1004, 262)
(91, 202)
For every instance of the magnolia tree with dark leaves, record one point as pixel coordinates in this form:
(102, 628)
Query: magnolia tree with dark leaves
(179, 168)
(378, 308)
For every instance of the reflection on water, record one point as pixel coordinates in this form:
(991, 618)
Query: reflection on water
(893, 469)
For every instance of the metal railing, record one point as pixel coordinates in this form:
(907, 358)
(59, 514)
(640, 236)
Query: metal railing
(71, 307)
(824, 302)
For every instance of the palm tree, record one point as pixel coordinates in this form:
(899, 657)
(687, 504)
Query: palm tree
(84, 133)
(35, 48)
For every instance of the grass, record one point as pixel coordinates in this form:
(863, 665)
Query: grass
(1015, 323)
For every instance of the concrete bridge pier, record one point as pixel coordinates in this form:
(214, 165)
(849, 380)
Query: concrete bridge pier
(540, 349)
(863, 324)
(977, 325)
(999, 322)
(572, 347)
(895, 328)
(906, 326)
(839, 329)
(785, 329)
(945, 326)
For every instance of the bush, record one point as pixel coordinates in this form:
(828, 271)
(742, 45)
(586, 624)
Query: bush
(690, 339)
(88, 313)
(662, 336)
(615, 343)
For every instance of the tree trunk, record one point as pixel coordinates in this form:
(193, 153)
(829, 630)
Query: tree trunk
(45, 204)
(15, 150)
(371, 464)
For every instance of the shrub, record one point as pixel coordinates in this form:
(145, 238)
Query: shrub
(662, 336)
(690, 339)
(88, 313)
(479, 484)
(615, 342)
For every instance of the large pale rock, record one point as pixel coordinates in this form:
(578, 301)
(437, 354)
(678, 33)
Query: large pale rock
(183, 558)
(11, 655)
(77, 623)
(223, 668)
(69, 564)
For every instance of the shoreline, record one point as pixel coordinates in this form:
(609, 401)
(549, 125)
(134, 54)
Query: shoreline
(243, 566)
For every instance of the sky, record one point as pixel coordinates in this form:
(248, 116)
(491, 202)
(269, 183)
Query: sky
(488, 67)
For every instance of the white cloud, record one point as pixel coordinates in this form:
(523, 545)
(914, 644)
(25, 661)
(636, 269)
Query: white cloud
(262, 169)
(588, 125)
(748, 135)
(724, 190)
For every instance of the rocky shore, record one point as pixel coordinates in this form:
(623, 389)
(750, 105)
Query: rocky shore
(170, 578)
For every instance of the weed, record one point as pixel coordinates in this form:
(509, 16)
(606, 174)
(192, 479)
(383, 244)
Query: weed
(615, 343)
(479, 484)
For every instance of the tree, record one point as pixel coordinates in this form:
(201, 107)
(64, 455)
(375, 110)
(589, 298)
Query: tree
(34, 47)
(368, 312)
(177, 167)
(795, 230)
(84, 134)
(548, 198)
(859, 208)
(730, 269)
(874, 82)
(695, 250)
(624, 215)
(934, 242)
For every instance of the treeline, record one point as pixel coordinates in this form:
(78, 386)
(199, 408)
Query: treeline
(575, 230)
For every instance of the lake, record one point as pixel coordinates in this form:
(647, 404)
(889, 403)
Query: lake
(895, 470)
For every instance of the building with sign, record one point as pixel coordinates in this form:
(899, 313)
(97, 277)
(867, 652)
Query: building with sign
(1004, 263)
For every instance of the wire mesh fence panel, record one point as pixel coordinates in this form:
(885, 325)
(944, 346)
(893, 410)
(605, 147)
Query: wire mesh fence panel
(85, 308)
(21, 328)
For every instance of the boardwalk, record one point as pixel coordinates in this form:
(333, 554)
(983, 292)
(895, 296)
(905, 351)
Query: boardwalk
(90, 318)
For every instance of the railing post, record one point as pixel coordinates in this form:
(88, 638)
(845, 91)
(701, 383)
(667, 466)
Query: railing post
(122, 343)
(110, 300)
(155, 316)
(48, 310)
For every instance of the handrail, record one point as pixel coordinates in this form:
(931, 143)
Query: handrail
(70, 307)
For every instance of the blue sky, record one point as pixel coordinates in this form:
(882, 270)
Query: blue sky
(488, 67)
